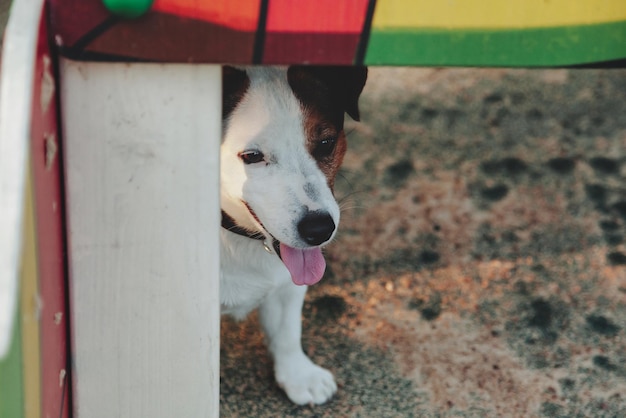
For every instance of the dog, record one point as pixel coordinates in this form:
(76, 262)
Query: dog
(283, 142)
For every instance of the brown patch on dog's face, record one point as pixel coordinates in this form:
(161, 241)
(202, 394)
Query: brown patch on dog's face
(325, 94)
(325, 143)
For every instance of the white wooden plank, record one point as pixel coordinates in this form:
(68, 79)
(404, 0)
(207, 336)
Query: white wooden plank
(141, 145)
(16, 94)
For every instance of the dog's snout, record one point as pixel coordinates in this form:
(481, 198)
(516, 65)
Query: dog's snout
(316, 227)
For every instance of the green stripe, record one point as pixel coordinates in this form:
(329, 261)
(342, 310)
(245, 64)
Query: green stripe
(11, 379)
(533, 47)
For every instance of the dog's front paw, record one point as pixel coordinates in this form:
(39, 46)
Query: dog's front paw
(303, 381)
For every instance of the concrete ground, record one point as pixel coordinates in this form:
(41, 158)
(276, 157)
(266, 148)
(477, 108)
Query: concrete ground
(480, 269)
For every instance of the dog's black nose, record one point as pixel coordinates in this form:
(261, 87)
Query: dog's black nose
(316, 227)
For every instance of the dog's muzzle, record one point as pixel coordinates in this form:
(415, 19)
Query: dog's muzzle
(316, 228)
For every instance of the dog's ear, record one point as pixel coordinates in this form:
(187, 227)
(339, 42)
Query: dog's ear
(353, 80)
(235, 83)
(344, 83)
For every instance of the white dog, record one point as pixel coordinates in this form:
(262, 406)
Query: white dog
(283, 142)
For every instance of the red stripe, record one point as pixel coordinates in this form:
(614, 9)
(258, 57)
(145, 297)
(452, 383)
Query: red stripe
(315, 32)
(72, 19)
(310, 48)
(320, 16)
(50, 234)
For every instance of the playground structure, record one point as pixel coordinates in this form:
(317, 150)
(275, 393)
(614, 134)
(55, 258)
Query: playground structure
(134, 226)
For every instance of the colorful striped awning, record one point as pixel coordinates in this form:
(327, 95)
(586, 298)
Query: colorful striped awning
(383, 32)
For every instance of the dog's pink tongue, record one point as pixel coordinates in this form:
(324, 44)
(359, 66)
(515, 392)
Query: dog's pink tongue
(306, 266)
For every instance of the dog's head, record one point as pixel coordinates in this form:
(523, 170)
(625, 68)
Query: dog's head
(282, 145)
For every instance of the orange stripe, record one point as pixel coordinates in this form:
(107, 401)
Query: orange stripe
(242, 14)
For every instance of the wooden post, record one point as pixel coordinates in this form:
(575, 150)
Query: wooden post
(141, 145)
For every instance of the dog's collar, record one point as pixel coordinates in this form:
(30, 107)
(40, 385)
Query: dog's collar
(228, 223)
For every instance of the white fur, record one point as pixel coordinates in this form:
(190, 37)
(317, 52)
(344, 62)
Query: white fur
(270, 119)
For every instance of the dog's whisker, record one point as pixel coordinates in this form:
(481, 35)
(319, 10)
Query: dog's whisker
(350, 195)
(351, 207)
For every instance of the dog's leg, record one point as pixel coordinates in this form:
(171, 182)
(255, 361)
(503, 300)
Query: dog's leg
(303, 381)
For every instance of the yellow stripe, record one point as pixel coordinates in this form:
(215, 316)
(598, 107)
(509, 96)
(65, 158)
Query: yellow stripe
(30, 312)
(495, 14)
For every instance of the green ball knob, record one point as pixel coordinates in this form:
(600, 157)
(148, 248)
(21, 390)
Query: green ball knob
(128, 8)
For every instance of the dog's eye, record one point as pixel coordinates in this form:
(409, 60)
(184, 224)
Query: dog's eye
(324, 148)
(251, 157)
